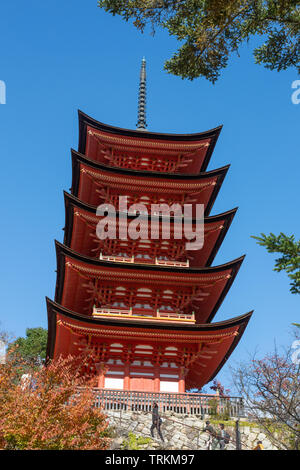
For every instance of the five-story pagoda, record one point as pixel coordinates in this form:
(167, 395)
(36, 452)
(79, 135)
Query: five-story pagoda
(143, 305)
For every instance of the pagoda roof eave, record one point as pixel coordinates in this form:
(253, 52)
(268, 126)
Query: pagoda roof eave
(156, 178)
(151, 324)
(62, 251)
(71, 200)
(85, 120)
(53, 308)
(77, 156)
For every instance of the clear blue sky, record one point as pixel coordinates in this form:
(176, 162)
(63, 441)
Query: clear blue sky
(59, 56)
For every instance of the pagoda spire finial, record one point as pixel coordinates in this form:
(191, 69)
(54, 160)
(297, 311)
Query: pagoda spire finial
(141, 123)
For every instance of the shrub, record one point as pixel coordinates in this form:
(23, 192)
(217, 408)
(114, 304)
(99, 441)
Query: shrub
(133, 442)
(46, 411)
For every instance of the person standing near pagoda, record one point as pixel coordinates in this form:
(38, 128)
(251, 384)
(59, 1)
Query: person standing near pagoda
(156, 422)
(223, 437)
(212, 440)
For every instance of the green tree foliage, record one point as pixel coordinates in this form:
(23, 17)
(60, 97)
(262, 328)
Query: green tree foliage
(290, 259)
(134, 443)
(210, 30)
(33, 347)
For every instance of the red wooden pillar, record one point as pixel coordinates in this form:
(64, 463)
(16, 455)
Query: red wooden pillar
(156, 379)
(101, 376)
(126, 377)
(181, 383)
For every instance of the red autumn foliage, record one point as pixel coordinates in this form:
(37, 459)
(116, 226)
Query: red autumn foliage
(218, 387)
(46, 410)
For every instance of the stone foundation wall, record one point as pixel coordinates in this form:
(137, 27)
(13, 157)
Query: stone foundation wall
(180, 432)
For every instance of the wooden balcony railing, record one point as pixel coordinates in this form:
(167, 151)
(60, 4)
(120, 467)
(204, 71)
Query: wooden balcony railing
(132, 259)
(144, 314)
(164, 262)
(120, 259)
(182, 403)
